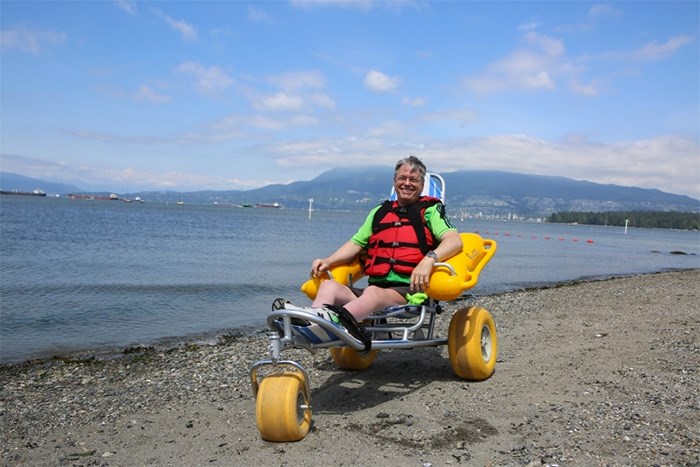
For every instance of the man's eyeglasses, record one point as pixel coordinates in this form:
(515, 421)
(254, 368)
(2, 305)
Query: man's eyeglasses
(403, 179)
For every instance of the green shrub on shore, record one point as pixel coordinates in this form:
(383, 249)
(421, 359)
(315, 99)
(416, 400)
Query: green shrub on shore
(647, 219)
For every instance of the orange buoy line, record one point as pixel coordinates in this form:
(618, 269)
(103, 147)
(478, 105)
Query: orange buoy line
(533, 237)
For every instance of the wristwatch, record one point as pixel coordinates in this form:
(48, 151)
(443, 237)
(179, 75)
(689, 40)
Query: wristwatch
(432, 254)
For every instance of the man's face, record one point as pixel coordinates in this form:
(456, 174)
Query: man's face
(408, 184)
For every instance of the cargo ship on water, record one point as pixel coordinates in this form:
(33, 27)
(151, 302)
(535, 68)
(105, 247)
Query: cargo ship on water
(268, 205)
(36, 192)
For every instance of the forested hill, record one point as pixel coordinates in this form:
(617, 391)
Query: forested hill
(477, 193)
(485, 192)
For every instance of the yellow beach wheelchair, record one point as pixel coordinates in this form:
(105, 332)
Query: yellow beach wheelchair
(283, 396)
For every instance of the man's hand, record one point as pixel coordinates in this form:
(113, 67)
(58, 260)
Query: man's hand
(420, 277)
(318, 267)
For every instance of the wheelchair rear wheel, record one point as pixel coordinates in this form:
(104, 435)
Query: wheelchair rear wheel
(347, 358)
(472, 344)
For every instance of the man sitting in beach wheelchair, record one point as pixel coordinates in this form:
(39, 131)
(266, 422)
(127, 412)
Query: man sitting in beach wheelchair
(413, 259)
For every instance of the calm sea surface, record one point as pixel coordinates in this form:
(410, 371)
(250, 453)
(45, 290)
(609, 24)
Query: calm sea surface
(78, 275)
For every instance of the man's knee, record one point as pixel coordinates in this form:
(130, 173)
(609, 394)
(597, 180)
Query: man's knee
(374, 291)
(382, 295)
(330, 286)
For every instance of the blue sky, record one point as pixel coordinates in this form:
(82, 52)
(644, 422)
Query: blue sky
(183, 95)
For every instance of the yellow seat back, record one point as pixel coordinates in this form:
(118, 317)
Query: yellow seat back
(449, 282)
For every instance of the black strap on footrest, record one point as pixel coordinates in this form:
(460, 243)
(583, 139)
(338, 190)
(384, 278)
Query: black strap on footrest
(355, 329)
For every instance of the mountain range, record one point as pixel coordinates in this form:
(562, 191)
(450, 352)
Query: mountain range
(484, 193)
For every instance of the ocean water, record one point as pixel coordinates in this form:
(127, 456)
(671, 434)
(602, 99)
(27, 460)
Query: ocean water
(79, 275)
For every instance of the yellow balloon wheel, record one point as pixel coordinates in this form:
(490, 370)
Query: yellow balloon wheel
(282, 408)
(347, 358)
(472, 344)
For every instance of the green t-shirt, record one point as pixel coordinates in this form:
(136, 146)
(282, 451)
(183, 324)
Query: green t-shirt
(437, 222)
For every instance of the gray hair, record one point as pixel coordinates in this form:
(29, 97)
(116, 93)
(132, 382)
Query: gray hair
(413, 162)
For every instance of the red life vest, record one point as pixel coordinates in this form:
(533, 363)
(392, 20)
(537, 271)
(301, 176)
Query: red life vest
(400, 237)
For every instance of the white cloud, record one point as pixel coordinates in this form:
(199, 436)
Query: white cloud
(552, 48)
(303, 120)
(364, 5)
(414, 101)
(259, 15)
(280, 102)
(30, 166)
(30, 40)
(150, 179)
(380, 82)
(462, 117)
(279, 124)
(387, 128)
(291, 102)
(542, 61)
(529, 26)
(654, 51)
(589, 89)
(238, 126)
(650, 52)
(292, 97)
(186, 30)
(129, 6)
(322, 100)
(295, 80)
(539, 80)
(603, 10)
(531, 68)
(146, 94)
(208, 80)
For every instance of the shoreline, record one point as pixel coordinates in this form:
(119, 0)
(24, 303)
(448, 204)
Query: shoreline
(590, 372)
(171, 343)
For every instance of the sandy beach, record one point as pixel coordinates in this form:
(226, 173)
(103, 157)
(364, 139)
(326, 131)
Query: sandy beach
(590, 373)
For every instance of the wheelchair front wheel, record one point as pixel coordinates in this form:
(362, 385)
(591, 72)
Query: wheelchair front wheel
(282, 409)
(472, 344)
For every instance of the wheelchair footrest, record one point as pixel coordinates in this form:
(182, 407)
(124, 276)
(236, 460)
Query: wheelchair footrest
(398, 312)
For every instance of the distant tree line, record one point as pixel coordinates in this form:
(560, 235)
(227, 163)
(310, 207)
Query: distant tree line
(647, 219)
